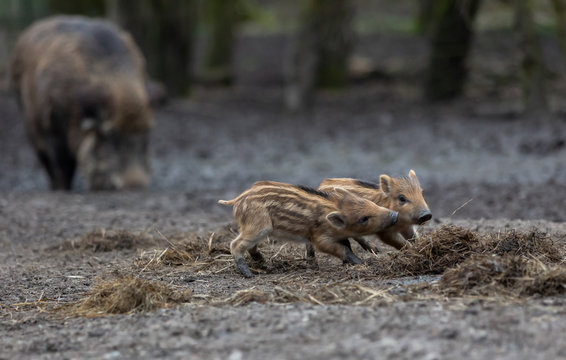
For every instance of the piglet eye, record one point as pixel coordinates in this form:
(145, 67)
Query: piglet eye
(364, 220)
(402, 199)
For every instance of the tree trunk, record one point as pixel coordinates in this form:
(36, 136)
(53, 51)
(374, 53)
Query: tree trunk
(79, 7)
(302, 68)
(425, 16)
(221, 20)
(320, 55)
(15, 15)
(451, 41)
(533, 69)
(560, 10)
(333, 20)
(164, 30)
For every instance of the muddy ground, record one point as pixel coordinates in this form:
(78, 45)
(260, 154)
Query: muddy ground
(219, 142)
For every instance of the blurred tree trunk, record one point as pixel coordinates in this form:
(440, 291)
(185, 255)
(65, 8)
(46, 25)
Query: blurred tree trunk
(164, 30)
(221, 19)
(301, 70)
(15, 15)
(321, 51)
(333, 19)
(451, 40)
(560, 10)
(533, 70)
(425, 16)
(79, 7)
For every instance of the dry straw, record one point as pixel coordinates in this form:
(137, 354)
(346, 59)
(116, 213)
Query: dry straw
(451, 245)
(510, 264)
(128, 294)
(102, 240)
(329, 294)
(508, 275)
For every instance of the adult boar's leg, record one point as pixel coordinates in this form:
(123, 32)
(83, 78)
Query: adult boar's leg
(47, 164)
(64, 166)
(58, 162)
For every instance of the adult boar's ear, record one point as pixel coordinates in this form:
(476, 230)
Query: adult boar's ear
(337, 220)
(413, 177)
(385, 183)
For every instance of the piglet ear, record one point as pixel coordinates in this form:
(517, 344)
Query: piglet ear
(385, 183)
(341, 196)
(336, 219)
(341, 192)
(413, 176)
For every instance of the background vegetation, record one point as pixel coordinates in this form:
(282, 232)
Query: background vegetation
(192, 41)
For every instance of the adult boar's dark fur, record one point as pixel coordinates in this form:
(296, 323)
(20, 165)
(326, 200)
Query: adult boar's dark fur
(81, 85)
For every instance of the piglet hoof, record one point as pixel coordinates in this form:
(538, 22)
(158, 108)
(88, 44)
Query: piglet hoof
(243, 268)
(369, 248)
(351, 258)
(374, 250)
(257, 258)
(312, 264)
(407, 245)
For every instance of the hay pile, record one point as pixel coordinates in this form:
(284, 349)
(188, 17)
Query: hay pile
(451, 245)
(509, 264)
(210, 252)
(534, 244)
(102, 240)
(128, 294)
(509, 275)
(432, 254)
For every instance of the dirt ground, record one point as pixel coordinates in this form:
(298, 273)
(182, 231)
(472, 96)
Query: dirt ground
(481, 166)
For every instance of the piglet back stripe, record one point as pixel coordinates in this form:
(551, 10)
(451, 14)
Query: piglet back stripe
(313, 191)
(367, 184)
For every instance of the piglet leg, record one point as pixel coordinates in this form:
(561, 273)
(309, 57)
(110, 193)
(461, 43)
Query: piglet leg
(310, 257)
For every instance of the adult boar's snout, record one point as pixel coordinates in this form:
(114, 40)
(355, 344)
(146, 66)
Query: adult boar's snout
(425, 216)
(135, 177)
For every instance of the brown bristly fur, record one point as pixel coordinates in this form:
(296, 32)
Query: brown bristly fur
(387, 194)
(303, 214)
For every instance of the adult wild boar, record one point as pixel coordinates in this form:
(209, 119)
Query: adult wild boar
(81, 84)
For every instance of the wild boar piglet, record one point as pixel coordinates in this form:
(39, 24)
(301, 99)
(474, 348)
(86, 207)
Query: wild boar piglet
(403, 195)
(298, 213)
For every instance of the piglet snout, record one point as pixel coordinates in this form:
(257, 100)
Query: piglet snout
(394, 215)
(425, 216)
